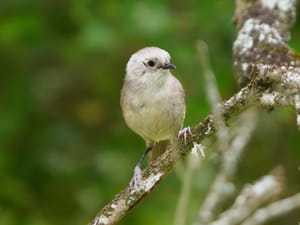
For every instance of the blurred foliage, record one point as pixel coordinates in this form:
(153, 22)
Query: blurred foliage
(64, 147)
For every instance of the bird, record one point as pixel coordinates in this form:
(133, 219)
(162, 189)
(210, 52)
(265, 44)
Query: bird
(152, 102)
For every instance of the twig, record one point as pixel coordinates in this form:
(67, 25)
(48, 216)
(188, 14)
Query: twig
(230, 152)
(274, 210)
(297, 106)
(250, 198)
(193, 163)
(222, 186)
(213, 95)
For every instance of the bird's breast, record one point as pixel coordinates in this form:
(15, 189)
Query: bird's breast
(155, 111)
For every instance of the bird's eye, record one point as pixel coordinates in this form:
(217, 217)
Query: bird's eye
(151, 63)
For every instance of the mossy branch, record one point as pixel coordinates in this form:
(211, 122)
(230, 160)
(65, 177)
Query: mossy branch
(266, 67)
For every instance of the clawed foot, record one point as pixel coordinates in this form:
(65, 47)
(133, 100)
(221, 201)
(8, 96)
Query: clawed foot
(137, 176)
(185, 132)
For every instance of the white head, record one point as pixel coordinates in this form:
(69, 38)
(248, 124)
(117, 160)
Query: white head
(148, 60)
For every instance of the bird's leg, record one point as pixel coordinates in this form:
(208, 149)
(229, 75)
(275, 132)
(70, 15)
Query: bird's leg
(185, 132)
(137, 174)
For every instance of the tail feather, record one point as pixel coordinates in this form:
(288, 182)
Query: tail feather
(157, 149)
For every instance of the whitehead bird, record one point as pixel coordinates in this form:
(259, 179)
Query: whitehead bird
(152, 101)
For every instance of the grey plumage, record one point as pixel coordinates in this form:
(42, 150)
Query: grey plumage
(152, 99)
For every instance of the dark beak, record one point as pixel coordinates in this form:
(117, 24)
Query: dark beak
(167, 66)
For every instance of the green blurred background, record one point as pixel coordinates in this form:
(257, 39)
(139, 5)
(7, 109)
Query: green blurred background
(64, 147)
